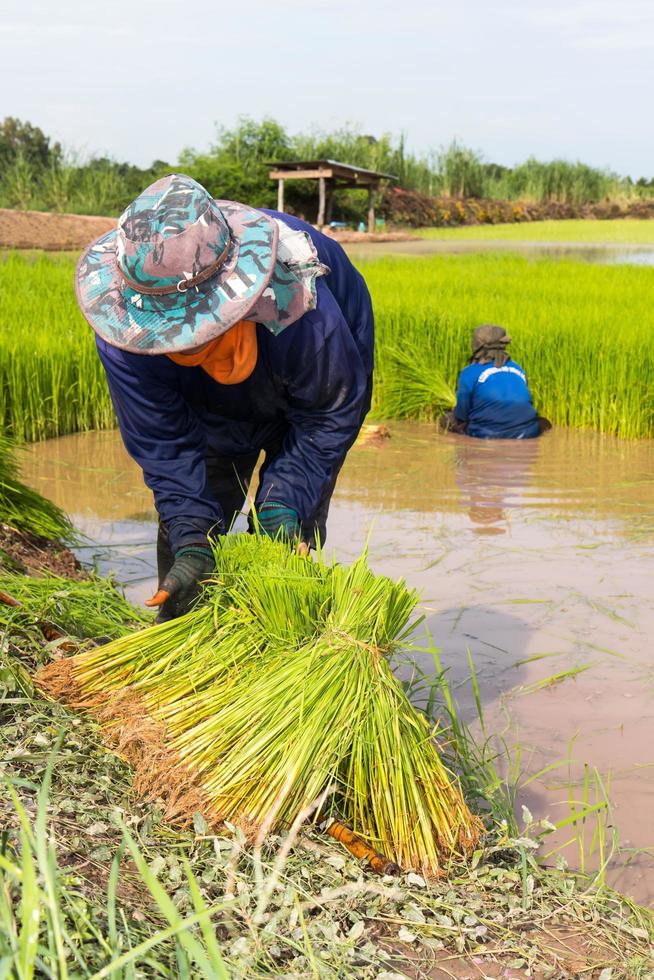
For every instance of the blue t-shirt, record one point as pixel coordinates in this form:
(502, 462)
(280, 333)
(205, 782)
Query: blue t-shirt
(496, 402)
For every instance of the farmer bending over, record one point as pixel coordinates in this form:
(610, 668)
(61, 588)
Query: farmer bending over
(225, 331)
(493, 400)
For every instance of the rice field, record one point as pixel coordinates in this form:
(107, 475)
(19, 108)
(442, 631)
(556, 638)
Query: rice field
(51, 380)
(582, 333)
(94, 884)
(620, 231)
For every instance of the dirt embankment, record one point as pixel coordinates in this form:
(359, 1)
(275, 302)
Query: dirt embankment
(27, 554)
(72, 232)
(48, 231)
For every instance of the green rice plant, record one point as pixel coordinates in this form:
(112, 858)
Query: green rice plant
(274, 694)
(616, 231)
(25, 509)
(51, 379)
(580, 331)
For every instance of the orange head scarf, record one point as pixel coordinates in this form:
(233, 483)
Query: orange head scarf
(229, 359)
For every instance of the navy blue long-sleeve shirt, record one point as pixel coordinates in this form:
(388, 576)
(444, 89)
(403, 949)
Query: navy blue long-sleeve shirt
(496, 402)
(310, 387)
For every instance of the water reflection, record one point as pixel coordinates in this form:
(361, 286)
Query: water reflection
(598, 253)
(489, 475)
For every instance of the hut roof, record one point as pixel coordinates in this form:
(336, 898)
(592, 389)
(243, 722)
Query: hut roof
(345, 172)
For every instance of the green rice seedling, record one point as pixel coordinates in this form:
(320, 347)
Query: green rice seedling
(581, 332)
(552, 680)
(603, 232)
(25, 509)
(80, 608)
(413, 388)
(273, 692)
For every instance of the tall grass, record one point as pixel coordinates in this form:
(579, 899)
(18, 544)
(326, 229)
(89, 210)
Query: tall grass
(581, 331)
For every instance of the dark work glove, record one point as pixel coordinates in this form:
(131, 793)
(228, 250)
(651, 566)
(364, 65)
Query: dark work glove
(278, 519)
(183, 583)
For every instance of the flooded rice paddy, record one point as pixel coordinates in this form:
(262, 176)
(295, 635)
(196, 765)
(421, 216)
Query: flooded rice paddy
(535, 557)
(599, 253)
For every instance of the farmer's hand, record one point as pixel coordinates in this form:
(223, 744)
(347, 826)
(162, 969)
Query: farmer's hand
(183, 582)
(278, 520)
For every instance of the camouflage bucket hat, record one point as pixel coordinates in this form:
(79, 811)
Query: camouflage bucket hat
(181, 268)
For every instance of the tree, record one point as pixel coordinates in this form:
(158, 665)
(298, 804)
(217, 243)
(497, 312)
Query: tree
(236, 167)
(251, 144)
(21, 139)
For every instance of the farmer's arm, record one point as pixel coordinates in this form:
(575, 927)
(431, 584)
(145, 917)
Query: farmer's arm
(164, 438)
(327, 388)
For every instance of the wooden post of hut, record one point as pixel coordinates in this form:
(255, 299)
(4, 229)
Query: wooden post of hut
(321, 201)
(371, 208)
(331, 176)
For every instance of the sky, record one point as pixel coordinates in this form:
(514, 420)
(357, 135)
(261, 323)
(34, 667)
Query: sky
(140, 80)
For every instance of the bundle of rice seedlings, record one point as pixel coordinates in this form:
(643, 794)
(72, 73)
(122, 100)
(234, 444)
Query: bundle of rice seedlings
(275, 690)
(413, 387)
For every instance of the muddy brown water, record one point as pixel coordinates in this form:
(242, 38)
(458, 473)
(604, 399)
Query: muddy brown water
(537, 558)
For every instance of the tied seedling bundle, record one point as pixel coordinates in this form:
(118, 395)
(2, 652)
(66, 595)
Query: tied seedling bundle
(274, 691)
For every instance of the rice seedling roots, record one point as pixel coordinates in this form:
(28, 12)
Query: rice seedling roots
(134, 736)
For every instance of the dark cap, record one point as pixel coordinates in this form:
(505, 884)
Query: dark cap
(490, 336)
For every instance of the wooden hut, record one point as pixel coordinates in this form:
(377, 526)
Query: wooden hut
(331, 175)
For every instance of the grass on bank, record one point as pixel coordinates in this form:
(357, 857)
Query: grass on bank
(623, 231)
(104, 888)
(581, 331)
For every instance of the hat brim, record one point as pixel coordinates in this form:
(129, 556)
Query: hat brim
(174, 322)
